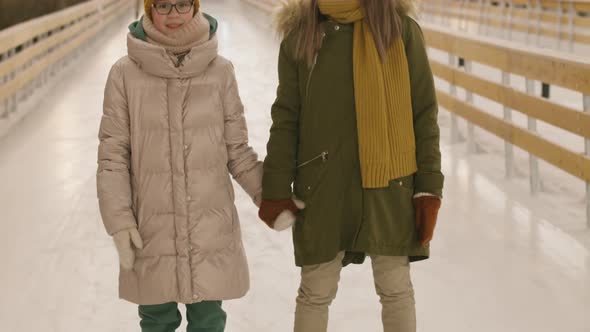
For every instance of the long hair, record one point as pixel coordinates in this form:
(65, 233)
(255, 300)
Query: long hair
(382, 17)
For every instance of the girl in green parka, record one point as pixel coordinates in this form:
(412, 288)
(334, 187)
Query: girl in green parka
(355, 138)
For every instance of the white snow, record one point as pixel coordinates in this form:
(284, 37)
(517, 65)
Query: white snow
(502, 259)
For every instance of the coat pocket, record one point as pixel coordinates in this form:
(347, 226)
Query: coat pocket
(402, 222)
(405, 182)
(309, 174)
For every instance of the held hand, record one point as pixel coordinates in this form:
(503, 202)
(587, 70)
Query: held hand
(280, 214)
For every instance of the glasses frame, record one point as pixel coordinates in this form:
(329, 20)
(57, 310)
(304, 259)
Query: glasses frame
(173, 6)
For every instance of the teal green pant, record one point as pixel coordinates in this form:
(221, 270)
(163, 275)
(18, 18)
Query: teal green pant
(202, 317)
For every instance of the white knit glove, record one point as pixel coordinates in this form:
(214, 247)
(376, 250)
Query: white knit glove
(286, 218)
(124, 241)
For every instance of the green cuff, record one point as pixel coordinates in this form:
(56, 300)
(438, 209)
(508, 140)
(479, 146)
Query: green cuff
(276, 187)
(429, 183)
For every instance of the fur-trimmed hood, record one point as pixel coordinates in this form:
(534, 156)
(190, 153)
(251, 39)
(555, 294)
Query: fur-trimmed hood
(289, 15)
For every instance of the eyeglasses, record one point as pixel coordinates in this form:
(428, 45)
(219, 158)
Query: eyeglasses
(165, 8)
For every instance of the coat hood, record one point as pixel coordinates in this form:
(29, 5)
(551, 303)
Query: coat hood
(155, 60)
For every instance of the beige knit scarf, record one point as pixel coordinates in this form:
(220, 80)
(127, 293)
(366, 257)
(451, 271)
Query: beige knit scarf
(191, 34)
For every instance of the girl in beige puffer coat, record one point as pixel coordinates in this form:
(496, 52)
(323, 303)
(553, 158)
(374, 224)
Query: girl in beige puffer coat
(172, 133)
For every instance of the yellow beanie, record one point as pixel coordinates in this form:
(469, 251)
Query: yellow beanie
(147, 5)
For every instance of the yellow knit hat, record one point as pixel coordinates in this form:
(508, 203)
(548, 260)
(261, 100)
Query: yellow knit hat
(147, 5)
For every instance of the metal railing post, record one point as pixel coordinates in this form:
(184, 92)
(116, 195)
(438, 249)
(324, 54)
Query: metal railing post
(508, 147)
(587, 152)
(535, 181)
(571, 14)
(471, 146)
(455, 134)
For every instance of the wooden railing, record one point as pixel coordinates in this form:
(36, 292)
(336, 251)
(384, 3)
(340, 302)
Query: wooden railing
(32, 51)
(567, 71)
(567, 22)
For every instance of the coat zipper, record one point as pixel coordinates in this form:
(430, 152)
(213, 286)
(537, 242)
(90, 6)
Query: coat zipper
(315, 60)
(323, 155)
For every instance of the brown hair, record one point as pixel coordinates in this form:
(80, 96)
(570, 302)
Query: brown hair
(382, 17)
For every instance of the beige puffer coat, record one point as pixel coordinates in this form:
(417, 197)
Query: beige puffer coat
(169, 139)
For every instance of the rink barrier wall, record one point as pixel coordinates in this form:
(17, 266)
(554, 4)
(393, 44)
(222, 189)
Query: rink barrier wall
(555, 68)
(511, 58)
(33, 51)
(565, 21)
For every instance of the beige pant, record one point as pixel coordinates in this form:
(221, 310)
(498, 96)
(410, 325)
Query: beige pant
(319, 284)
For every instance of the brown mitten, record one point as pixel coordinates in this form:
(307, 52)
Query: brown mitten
(426, 211)
(271, 209)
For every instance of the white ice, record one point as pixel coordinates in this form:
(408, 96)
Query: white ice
(502, 260)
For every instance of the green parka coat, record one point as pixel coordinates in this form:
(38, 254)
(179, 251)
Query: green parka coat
(313, 154)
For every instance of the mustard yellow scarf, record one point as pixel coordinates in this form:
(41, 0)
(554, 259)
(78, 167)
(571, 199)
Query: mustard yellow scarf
(383, 101)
